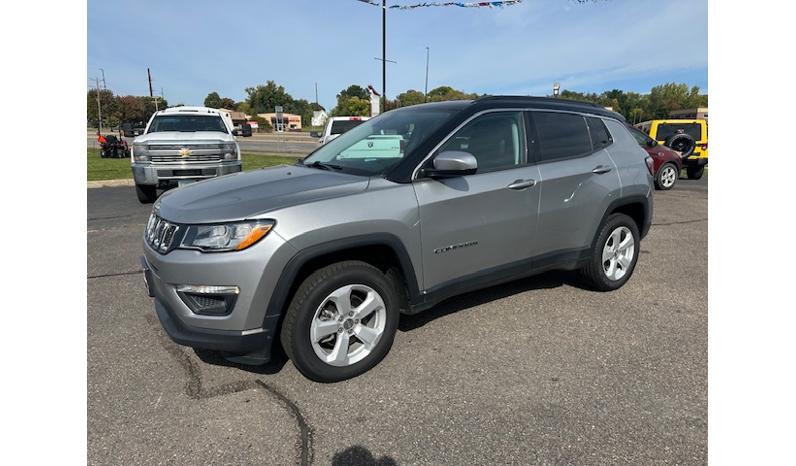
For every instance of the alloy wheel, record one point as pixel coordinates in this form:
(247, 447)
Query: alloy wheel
(668, 176)
(618, 253)
(348, 325)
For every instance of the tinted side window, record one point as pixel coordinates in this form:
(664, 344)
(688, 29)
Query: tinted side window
(640, 137)
(561, 135)
(496, 140)
(600, 137)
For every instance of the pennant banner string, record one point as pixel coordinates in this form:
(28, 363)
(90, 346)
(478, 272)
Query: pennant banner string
(493, 4)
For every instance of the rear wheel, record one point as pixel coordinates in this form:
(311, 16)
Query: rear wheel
(695, 173)
(667, 176)
(341, 321)
(146, 193)
(614, 254)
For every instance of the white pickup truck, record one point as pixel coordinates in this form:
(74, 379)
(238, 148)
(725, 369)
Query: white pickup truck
(335, 126)
(181, 145)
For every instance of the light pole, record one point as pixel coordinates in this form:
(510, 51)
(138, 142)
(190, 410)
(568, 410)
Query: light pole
(104, 86)
(427, 54)
(384, 52)
(99, 107)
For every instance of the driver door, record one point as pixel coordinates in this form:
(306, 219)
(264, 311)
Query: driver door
(470, 224)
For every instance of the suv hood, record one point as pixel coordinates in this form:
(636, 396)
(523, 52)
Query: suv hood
(184, 136)
(249, 194)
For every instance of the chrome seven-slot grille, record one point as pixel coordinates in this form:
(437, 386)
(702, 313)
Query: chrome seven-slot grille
(160, 234)
(185, 152)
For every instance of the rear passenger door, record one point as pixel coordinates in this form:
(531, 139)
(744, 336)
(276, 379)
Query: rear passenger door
(578, 180)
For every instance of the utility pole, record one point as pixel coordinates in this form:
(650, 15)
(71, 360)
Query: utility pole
(316, 93)
(104, 86)
(99, 107)
(427, 54)
(151, 95)
(384, 54)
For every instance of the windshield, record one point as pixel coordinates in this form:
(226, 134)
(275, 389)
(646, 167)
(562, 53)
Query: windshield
(379, 143)
(187, 123)
(341, 126)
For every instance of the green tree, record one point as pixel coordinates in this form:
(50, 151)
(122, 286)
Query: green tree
(227, 103)
(244, 107)
(442, 93)
(300, 107)
(352, 106)
(354, 91)
(109, 106)
(410, 97)
(213, 100)
(263, 98)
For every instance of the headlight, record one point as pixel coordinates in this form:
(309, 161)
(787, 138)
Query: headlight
(226, 237)
(140, 152)
(229, 151)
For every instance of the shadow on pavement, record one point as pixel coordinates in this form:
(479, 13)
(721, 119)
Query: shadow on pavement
(360, 456)
(546, 280)
(408, 323)
(277, 362)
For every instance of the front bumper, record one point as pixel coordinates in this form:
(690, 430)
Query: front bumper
(159, 173)
(246, 329)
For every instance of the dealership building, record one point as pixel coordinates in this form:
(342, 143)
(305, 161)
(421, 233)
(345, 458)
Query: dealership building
(700, 113)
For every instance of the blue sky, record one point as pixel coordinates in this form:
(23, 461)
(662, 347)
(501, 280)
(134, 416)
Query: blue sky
(197, 46)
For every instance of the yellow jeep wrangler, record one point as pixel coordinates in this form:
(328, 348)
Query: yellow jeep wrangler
(688, 137)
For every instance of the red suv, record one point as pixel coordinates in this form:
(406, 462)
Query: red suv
(666, 162)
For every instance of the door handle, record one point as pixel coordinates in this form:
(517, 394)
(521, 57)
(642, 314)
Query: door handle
(522, 184)
(600, 169)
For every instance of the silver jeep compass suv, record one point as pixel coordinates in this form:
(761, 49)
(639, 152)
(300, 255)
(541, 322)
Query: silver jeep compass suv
(407, 209)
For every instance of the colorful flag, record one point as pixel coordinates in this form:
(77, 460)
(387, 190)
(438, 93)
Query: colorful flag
(492, 4)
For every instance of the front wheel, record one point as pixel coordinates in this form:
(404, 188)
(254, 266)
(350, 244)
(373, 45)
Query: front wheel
(667, 177)
(614, 254)
(341, 321)
(695, 173)
(146, 193)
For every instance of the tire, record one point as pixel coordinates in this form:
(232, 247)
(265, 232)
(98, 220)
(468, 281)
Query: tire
(594, 272)
(667, 176)
(353, 281)
(682, 143)
(695, 173)
(146, 193)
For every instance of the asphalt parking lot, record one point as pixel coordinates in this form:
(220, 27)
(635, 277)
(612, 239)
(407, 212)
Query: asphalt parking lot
(538, 371)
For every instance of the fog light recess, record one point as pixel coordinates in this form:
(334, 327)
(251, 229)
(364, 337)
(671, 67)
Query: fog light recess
(209, 300)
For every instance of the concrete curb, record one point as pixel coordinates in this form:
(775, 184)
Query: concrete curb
(110, 183)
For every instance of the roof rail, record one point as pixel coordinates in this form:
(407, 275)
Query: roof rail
(550, 101)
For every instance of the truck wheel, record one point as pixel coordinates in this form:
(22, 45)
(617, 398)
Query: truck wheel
(614, 254)
(695, 173)
(341, 321)
(667, 177)
(146, 193)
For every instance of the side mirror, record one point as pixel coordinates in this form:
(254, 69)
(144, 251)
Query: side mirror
(652, 143)
(315, 134)
(452, 163)
(234, 132)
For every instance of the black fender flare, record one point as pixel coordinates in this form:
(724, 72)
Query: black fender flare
(284, 285)
(628, 200)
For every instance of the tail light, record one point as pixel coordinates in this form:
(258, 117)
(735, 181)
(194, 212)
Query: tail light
(704, 146)
(650, 165)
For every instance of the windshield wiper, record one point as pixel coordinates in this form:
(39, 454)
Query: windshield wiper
(324, 165)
